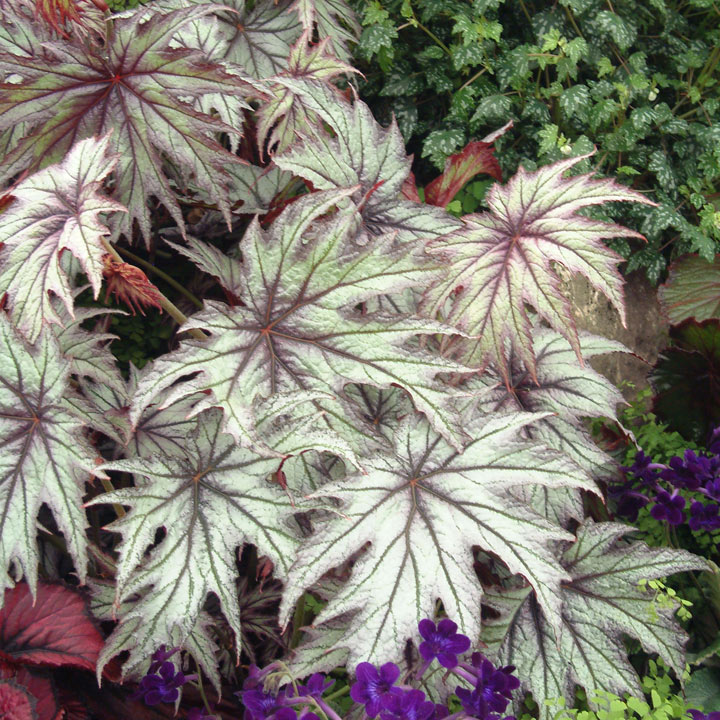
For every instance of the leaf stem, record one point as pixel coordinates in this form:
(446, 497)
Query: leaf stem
(298, 622)
(107, 484)
(200, 687)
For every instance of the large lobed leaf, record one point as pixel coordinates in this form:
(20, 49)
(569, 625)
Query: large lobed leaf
(299, 328)
(54, 210)
(364, 155)
(422, 507)
(140, 87)
(502, 260)
(45, 457)
(601, 604)
(211, 497)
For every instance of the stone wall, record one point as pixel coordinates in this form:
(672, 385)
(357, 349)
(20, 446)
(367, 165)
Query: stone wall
(646, 334)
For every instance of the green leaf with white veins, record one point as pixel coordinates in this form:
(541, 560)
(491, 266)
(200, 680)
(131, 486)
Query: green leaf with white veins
(211, 496)
(299, 327)
(55, 209)
(422, 509)
(502, 260)
(602, 603)
(45, 458)
(362, 154)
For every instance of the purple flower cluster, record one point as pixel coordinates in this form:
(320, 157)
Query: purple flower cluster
(699, 474)
(281, 705)
(162, 682)
(492, 690)
(378, 689)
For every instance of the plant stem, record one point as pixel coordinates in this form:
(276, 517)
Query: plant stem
(472, 79)
(344, 690)
(201, 689)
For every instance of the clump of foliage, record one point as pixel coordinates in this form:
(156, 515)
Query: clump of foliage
(377, 404)
(639, 81)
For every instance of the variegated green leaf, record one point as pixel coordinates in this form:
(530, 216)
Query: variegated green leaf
(299, 327)
(260, 40)
(419, 511)
(88, 351)
(55, 209)
(565, 388)
(502, 260)
(45, 457)
(209, 259)
(361, 154)
(601, 603)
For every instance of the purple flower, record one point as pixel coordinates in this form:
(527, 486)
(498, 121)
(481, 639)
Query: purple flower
(161, 686)
(286, 713)
(713, 441)
(691, 471)
(442, 642)
(316, 685)
(258, 704)
(704, 517)
(493, 689)
(712, 489)
(371, 685)
(441, 712)
(668, 507)
(698, 715)
(307, 715)
(644, 469)
(628, 501)
(406, 705)
(159, 657)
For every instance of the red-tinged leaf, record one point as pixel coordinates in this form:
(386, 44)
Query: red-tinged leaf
(15, 703)
(57, 13)
(409, 188)
(56, 630)
(475, 158)
(286, 115)
(40, 688)
(692, 290)
(130, 285)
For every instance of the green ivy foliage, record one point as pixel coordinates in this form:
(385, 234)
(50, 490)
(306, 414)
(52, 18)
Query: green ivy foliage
(637, 80)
